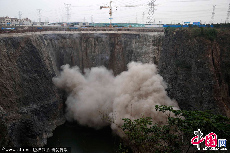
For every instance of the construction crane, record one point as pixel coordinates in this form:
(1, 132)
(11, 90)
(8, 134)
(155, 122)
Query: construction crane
(110, 12)
(151, 11)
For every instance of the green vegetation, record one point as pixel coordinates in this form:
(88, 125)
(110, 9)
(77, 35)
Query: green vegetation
(208, 33)
(174, 136)
(205, 32)
(222, 25)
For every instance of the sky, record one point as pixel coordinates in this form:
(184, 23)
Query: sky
(166, 11)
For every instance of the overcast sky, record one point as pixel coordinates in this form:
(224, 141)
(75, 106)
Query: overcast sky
(167, 11)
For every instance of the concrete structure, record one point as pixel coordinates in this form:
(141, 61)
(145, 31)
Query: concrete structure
(14, 21)
(153, 25)
(25, 21)
(40, 23)
(7, 21)
(79, 24)
(118, 25)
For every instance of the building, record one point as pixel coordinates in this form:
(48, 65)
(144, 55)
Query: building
(14, 22)
(40, 23)
(135, 25)
(7, 21)
(2, 20)
(79, 24)
(25, 21)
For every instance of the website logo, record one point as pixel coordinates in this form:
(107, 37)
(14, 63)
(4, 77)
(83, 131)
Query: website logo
(210, 141)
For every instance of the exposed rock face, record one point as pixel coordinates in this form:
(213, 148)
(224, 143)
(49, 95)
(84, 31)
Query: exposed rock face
(30, 105)
(196, 68)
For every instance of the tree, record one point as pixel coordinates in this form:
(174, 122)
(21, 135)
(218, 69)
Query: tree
(176, 134)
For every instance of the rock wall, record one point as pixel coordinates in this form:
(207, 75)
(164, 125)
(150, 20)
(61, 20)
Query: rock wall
(30, 105)
(196, 65)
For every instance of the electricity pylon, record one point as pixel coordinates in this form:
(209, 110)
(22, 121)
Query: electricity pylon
(213, 13)
(228, 14)
(67, 7)
(151, 11)
(39, 15)
(20, 17)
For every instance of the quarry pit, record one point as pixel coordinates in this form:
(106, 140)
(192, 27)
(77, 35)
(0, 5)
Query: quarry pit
(195, 68)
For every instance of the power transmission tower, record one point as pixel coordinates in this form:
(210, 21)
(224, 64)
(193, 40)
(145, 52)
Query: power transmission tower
(91, 19)
(151, 11)
(39, 15)
(228, 14)
(143, 17)
(20, 17)
(92, 23)
(67, 7)
(213, 13)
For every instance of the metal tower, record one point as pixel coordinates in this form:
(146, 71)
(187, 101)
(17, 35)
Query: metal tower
(67, 7)
(151, 11)
(143, 17)
(213, 13)
(91, 18)
(20, 15)
(228, 14)
(110, 12)
(39, 15)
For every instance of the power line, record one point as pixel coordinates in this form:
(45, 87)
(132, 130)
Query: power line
(127, 12)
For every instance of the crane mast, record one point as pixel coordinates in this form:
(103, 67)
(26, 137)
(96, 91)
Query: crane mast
(110, 12)
(151, 10)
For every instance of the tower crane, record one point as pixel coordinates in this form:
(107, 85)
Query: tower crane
(110, 12)
(151, 5)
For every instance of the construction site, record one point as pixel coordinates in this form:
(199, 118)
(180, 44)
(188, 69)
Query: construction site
(101, 76)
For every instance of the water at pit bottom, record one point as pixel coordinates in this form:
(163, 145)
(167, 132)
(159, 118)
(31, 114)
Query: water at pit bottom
(83, 139)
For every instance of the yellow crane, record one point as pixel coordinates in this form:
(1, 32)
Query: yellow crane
(151, 5)
(110, 12)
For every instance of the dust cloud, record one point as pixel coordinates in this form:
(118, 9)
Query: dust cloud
(98, 98)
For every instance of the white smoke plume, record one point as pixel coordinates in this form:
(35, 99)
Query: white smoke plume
(132, 94)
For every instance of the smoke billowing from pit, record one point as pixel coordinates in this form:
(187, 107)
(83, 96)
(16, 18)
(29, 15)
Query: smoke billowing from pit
(98, 93)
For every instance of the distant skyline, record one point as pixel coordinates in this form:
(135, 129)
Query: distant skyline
(167, 11)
